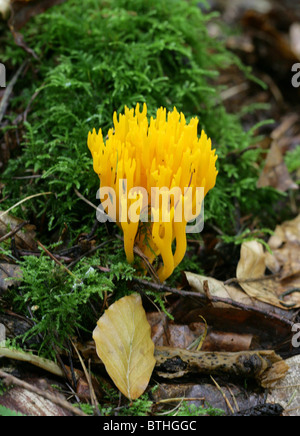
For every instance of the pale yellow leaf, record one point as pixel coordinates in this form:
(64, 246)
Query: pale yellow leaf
(123, 343)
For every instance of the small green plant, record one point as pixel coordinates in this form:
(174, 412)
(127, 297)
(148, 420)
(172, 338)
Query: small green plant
(59, 303)
(292, 159)
(140, 407)
(4, 411)
(249, 235)
(193, 410)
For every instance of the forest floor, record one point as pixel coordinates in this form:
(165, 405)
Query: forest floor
(226, 334)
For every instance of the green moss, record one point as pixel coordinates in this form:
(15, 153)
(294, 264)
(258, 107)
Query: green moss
(95, 59)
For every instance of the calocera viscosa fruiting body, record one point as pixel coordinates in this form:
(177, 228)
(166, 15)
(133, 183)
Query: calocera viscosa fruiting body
(163, 152)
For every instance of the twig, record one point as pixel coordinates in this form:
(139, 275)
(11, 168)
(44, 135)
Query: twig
(13, 232)
(171, 400)
(85, 200)
(223, 395)
(88, 378)
(213, 299)
(144, 258)
(57, 261)
(54, 399)
(234, 399)
(257, 279)
(23, 201)
(34, 176)
(8, 91)
(88, 253)
(203, 336)
(33, 97)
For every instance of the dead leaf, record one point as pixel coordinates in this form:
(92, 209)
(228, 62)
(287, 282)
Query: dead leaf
(8, 273)
(188, 336)
(275, 172)
(285, 244)
(287, 390)
(252, 262)
(289, 231)
(217, 289)
(252, 266)
(203, 393)
(283, 261)
(295, 38)
(24, 238)
(124, 344)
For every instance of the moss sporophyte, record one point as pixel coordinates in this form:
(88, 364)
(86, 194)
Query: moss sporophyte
(153, 180)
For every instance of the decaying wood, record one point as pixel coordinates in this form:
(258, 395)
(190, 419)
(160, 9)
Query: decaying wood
(264, 366)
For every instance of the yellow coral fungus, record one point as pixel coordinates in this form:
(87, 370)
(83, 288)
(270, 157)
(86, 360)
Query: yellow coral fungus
(154, 169)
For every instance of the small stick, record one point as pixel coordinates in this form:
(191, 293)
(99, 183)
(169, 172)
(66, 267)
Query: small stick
(213, 299)
(204, 334)
(57, 261)
(13, 232)
(88, 378)
(170, 400)
(85, 200)
(223, 395)
(9, 89)
(234, 399)
(23, 201)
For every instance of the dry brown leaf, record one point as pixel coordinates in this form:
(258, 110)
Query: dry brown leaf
(24, 238)
(275, 172)
(285, 245)
(287, 390)
(295, 38)
(289, 231)
(187, 336)
(283, 261)
(217, 289)
(123, 343)
(252, 266)
(8, 275)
